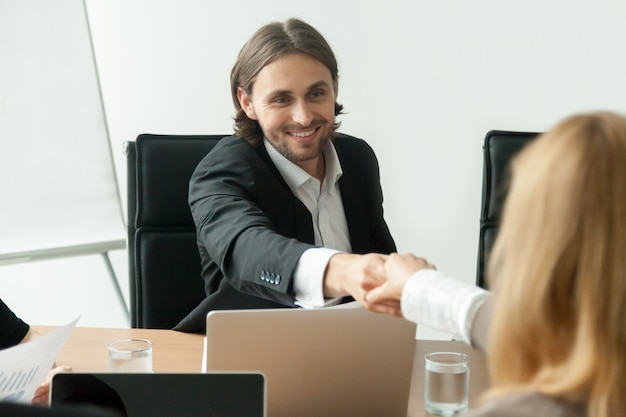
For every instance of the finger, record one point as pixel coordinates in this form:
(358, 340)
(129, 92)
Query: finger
(41, 396)
(56, 370)
(388, 304)
(381, 308)
(375, 295)
(383, 293)
(376, 299)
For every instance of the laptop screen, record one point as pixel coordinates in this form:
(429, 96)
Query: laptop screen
(164, 394)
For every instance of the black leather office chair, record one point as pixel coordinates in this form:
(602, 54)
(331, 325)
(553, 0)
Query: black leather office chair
(499, 148)
(164, 264)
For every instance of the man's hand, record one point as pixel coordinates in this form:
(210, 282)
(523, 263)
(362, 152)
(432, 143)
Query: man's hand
(387, 297)
(355, 275)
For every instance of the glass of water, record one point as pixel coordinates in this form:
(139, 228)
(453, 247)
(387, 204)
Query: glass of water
(130, 355)
(446, 383)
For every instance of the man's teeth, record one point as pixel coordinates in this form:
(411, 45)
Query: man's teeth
(303, 134)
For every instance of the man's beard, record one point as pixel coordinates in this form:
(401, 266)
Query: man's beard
(311, 151)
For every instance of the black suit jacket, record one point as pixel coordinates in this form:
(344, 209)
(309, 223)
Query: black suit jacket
(252, 230)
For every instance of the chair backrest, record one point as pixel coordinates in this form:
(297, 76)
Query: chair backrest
(164, 263)
(499, 148)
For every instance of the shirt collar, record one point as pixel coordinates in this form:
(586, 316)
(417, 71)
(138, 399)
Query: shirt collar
(295, 176)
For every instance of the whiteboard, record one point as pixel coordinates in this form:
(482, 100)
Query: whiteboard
(58, 192)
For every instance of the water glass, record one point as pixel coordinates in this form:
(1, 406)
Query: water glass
(446, 383)
(130, 355)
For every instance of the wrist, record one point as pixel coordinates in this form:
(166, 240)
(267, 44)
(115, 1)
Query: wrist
(333, 276)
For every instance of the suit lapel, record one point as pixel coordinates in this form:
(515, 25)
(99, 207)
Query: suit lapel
(351, 187)
(302, 227)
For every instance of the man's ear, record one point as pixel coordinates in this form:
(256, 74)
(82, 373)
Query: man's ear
(245, 101)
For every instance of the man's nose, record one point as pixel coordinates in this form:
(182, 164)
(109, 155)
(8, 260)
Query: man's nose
(302, 113)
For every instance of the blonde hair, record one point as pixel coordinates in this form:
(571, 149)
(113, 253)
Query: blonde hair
(559, 268)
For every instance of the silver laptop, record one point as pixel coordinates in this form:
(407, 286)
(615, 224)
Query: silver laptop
(163, 394)
(333, 362)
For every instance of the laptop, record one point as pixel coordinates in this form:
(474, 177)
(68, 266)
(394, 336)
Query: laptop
(332, 362)
(163, 394)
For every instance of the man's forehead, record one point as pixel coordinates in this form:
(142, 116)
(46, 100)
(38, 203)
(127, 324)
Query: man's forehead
(316, 85)
(292, 72)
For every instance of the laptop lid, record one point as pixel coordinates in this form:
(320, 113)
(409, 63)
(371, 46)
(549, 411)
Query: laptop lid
(318, 362)
(164, 394)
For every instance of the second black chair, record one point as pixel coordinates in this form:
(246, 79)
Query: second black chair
(499, 148)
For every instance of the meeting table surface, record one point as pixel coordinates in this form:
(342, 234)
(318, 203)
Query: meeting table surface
(173, 351)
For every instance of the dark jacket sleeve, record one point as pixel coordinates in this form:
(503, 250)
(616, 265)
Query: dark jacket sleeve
(234, 197)
(12, 328)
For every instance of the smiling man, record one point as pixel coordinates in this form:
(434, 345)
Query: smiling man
(288, 212)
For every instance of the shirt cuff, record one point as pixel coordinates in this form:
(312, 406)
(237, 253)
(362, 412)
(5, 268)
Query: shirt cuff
(435, 300)
(308, 282)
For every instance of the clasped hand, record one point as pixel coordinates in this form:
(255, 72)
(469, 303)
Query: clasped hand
(374, 280)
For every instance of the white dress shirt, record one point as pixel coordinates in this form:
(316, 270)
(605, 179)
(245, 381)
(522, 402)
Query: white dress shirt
(329, 222)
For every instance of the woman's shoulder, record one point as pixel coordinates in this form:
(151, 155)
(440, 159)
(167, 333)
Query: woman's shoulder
(528, 404)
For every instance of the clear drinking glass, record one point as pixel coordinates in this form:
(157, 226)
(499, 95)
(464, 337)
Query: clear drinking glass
(130, 355)
(446, 383)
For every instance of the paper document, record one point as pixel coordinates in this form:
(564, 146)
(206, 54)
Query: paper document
(24, 367)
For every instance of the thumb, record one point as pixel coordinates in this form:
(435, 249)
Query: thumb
(374, 295)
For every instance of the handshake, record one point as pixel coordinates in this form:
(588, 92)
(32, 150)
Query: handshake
(374, 280)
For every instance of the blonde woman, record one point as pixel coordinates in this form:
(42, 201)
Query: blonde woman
(557, 333)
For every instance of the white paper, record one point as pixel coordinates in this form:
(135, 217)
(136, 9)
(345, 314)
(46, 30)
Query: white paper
(24, 367)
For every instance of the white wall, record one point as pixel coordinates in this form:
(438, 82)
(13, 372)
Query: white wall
(421, 81)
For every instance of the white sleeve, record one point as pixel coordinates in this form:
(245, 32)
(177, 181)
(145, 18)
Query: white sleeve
(435, 300)
(308, 282)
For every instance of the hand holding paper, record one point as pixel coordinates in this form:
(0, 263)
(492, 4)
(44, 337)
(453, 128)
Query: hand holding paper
(23, 368)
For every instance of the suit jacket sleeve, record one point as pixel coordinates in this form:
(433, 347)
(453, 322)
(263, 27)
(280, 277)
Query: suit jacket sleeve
(248, 220)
